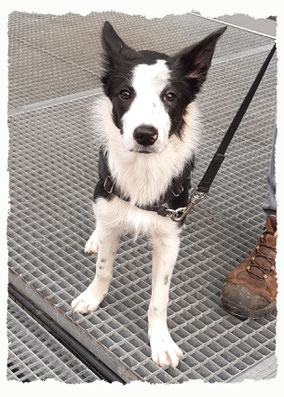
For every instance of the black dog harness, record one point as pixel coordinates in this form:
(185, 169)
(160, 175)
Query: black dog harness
(179, 204)
(175, 197)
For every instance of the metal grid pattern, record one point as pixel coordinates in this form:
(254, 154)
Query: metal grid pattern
(68, 47)
(35, 355)
(52, 174)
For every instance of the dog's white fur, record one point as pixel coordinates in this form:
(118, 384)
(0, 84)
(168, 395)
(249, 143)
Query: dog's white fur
(142, 177)
(147, 107)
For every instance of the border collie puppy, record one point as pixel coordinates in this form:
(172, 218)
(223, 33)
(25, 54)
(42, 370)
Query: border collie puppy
(149, 125)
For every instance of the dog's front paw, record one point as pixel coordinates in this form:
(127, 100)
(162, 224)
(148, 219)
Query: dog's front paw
(87, 302)
(165, 351)
(92, 245)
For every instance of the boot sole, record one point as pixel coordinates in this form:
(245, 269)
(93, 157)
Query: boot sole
(243, 312)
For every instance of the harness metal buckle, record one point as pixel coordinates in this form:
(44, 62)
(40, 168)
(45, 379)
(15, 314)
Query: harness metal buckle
(176, 191)
(109, 184)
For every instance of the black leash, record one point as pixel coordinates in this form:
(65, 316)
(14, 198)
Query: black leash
(204, 185)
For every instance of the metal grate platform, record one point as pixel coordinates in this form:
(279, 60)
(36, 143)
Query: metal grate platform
(53, 168)
(35, 355)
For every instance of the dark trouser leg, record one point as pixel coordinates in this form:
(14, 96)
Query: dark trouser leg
(270, 205)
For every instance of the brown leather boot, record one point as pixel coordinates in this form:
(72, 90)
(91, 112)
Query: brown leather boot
(251, 288)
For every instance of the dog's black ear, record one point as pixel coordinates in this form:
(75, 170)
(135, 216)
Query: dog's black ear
(113, 45)
(194, 61)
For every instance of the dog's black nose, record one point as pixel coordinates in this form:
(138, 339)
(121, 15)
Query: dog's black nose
(145, 135)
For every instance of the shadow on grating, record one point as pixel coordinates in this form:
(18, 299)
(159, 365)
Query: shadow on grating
(53, 169)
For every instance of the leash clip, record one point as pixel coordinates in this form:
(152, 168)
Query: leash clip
(180, 213)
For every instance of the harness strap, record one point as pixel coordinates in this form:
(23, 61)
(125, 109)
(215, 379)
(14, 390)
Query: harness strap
(107, 187)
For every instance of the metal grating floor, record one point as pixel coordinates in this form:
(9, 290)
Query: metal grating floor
(35, 355)
(54, 69)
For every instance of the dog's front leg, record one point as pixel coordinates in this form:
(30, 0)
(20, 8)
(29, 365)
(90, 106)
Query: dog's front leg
(107, 240)
(165, 250)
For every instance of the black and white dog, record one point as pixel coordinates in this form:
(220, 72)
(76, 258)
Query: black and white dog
(149, 125)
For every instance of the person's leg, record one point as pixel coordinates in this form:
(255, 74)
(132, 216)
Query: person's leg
(270, 206)
(250, 290)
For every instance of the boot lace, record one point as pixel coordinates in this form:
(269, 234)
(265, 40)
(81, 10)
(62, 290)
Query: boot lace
(262, 264)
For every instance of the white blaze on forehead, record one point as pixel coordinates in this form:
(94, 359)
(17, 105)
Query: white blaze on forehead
(151, 77)
(147, 107)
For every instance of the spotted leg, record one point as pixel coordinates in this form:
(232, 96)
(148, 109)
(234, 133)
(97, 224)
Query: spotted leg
(92, 245)
(164, 350)
(107, 242)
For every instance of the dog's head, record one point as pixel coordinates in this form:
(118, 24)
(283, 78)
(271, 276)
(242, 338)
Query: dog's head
(150, 91)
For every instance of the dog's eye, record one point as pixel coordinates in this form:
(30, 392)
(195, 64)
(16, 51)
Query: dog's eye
(170, 97)
(125, 95)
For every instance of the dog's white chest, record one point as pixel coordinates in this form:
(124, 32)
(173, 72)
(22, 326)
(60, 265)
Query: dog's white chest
(143, 180)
